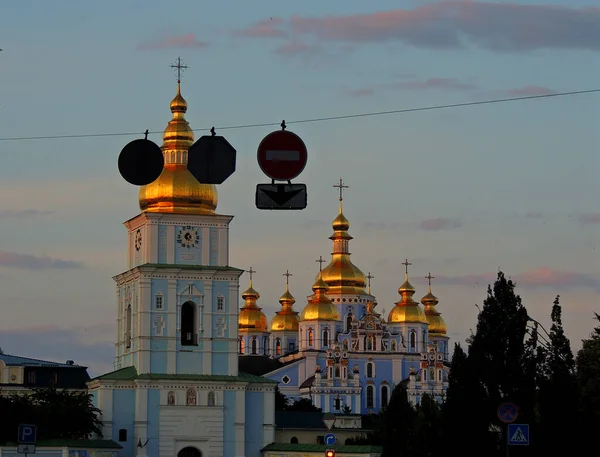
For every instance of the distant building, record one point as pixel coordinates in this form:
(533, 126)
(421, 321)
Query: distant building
(21, 374)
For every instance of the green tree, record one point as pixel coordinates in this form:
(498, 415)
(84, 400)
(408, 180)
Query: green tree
(558, 389)
(1, 351)
(57, 414)
(588, 376)
(303, 405)
(281, 401)
(396, 424)
(427, 429)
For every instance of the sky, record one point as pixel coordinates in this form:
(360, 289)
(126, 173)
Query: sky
(462, 193)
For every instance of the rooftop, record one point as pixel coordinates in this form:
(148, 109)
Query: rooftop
(15, 360)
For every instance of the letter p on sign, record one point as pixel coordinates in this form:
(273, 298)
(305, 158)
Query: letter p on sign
(27, 434)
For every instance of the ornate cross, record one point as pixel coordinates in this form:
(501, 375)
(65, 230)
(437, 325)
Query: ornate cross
(341, 186)
(406, 263)
(251, 272)
(321, 262)
(287, 275)
(369, 277)
(429, 277)
(180, 68)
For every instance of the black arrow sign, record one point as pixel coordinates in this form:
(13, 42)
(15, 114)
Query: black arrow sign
(281, 196)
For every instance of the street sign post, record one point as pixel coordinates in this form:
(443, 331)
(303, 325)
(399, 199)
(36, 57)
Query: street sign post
(211, 159)
(27, 434)
(329, 439)
(282, 155)
(518, 434)
(508, 412)
(281, 196)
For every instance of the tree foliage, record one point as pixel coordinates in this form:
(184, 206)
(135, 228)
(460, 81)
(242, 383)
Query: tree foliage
(57, 414)
(282, 403)
(588, 377)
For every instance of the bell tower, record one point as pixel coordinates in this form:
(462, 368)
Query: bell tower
(177, 302)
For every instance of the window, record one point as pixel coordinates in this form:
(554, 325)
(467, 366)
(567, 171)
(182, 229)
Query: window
(310, 337)
(220, 303)
(242, 346)
(31, 377)
(189, 324)
(128, 326)
(349, 322)
(291, 346)
(123, 434)
(337, 371)
(278, 346)
(369, 396)
(369, 369)
(345, 345)
(384, 396)
(424, 340)
(54, 377)
(253, 345)
(337, 403)
(158, 301)
(211, 399)
(265, 345)
(393, 346)
(413, 339)
(325, 337)
(294, 440)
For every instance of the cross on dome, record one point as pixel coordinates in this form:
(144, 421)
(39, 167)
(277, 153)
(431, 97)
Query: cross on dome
(406, 263)
(429, 278)
(251, 272)
(341, 186)
(369, 277)
(321, 262)
(180, 68)
(287, 275)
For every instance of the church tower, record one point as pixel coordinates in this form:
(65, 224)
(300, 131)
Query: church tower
(252, 324)
(284, 325)
(177, 302)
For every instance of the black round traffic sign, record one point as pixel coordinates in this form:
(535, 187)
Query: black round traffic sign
(141, 162)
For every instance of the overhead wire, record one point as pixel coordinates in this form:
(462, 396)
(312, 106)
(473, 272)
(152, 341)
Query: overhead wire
(313, 119)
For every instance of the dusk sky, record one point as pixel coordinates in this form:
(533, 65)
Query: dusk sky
(460, 192)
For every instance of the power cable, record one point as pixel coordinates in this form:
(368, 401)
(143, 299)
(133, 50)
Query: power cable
(314, 119)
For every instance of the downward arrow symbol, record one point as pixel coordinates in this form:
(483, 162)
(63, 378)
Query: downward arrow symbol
(282, 196)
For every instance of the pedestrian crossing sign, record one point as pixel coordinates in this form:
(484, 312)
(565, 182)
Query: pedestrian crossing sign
(518, 434)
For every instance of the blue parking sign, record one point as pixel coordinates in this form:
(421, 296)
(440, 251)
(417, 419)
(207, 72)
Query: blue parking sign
(27, 433)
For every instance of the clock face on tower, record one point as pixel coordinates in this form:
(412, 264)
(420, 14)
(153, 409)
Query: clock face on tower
(188, 237)
(138, 240)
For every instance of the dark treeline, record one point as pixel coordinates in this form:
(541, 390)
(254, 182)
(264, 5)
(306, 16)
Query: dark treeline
(509, 358)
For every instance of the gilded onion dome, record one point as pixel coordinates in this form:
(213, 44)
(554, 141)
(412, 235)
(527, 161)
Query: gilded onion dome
(319, 306)
(176, 190)
(437, 326)
(406, 310)
(251, 318)
(341, 275)
(287, 318)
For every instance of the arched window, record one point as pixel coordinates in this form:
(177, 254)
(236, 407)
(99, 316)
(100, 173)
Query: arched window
(191, 396)
(278, 346)
(294, 440)
(253, 345)
(349, 322)
(265, 345)
(384, 396)
(337, 371)
(310, 337)
(242, 345)
(189, 452)
(345, 345)
(393, 346)
(211, 399)
(413, 339)
(369, 369)
(369, 341)
(325, 337)
(424, 340)
(128, 326)
(189, 324)
(370, 397)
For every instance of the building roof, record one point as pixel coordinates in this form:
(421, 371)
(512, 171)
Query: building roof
(15, 360)
(81, 444)
(261, 364)
(130, 374)
(345, 449)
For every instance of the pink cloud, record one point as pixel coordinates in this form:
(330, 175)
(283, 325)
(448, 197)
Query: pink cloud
(540, 277)
(440, 223)
(294, 48)
(592, 218)
(435, 83)
(529, 90)
(188, 41)
(267, 28)
(31, 262)
(495, 26)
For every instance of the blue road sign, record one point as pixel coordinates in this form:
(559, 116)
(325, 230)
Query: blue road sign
(330, 439)
(518, 434)
(27, 433)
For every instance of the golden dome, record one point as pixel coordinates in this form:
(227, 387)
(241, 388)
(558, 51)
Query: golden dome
(287, 318)
(341, 275)
(251, 318)
(176, 190)
(437, 326)
(319, 306)
(406, 310)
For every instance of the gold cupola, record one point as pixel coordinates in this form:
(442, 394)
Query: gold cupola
(406, 310)
(176, 190)
(319, 306)
(251, 318)
(287, 318)
(437, 326)
(341, 275)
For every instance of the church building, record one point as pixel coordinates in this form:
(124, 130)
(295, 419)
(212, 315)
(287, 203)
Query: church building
(176, 390)
(339, 351)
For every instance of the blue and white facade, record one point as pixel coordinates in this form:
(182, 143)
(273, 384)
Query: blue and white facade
(176, 389)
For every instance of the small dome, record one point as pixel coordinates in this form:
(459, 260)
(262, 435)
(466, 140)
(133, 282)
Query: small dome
(287, 318)
(340, 223)
(406, 310)
(437, 325)
(319, 306)
(251, 318)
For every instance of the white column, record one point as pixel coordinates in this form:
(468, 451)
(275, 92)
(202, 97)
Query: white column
(269, 419)
(171, 330)
(152, 242)
(222, 254)
(141, 418)
(205, 246)
(105, 404)
(240, 423)
(171, 244)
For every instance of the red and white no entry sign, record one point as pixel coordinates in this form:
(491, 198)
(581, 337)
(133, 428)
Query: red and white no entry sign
(282, 155)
